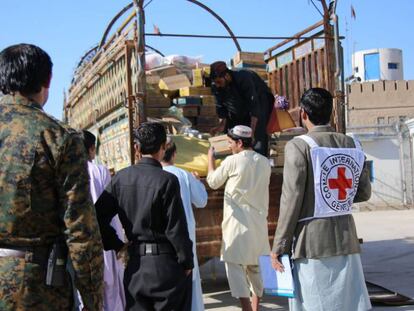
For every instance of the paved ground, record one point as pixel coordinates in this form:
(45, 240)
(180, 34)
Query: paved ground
(387, 256)
(388, 249)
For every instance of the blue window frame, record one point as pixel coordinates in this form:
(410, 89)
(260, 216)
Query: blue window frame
(392, 65)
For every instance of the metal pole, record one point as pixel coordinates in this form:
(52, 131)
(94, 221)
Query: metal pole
(402, 164)
(339, 83)
(139, 111)
(178, 35)
(130, 103)
(410, 140)
(338, 71)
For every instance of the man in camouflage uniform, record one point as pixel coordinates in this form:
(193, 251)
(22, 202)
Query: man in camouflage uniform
(44, 192)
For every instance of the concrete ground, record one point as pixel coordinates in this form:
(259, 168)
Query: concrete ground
(387, 258)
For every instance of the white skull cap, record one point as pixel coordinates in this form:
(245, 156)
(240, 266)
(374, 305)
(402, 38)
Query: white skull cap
(241, 131)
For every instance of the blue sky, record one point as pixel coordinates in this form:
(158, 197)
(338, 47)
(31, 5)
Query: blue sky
(66, 29)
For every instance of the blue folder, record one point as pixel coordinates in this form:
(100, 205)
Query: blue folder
(274, 282)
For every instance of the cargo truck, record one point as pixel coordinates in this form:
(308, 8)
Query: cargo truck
(112, 92)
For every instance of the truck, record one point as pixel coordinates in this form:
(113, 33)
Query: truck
(112, 92)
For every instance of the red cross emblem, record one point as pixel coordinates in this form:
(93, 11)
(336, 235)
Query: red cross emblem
(341, 183)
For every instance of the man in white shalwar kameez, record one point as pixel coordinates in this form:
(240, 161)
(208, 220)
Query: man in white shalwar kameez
(114, 296)
(246, 174)
(192, 192)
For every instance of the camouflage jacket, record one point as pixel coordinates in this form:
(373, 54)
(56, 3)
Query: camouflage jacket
(44, 191)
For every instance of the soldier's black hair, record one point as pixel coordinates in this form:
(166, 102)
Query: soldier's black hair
(88, 139)
(246, 141)
(317, 103)
(150, 135)
(170, 149)
(24, 68)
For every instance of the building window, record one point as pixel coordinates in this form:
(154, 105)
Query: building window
(380, 120)
(392, 65)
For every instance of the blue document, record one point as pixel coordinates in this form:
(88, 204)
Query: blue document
(274, 282)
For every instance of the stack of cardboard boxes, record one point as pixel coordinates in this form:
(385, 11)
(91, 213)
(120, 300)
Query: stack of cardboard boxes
(278, 143)
(166, 87)
(187, 90)
(277, 152)
(155, 102)
(251, 61)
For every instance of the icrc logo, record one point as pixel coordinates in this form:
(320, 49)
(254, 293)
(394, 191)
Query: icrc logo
(339, 181)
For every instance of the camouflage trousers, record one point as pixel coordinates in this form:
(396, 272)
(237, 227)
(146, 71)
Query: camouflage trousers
(22, 287)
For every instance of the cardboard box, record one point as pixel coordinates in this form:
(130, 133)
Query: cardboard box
(153, 100)
(153, 79)
(220, 145)
(198, 77)
(295, 114)
(277, 160)
(280, 148)
(250, 65)
(208, 111)
(155, 112)
(190, 111)
(280, 160)
(164, 71)
(209, 100)
(189, 100)
(174, 82)
(153, 88)
(252, 57)
(262, 73)
(289, 134)
(195, 91)
(171, 94)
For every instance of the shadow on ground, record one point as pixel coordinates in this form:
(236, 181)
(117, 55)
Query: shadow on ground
(389, 264)
(217, 297)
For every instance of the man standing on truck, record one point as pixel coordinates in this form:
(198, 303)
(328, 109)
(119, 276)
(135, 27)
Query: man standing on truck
(45, 206)
(147, 200)
(324, 173)
(242, 98)
(246, 203)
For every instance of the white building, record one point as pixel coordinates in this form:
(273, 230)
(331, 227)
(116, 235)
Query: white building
(378, 64)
